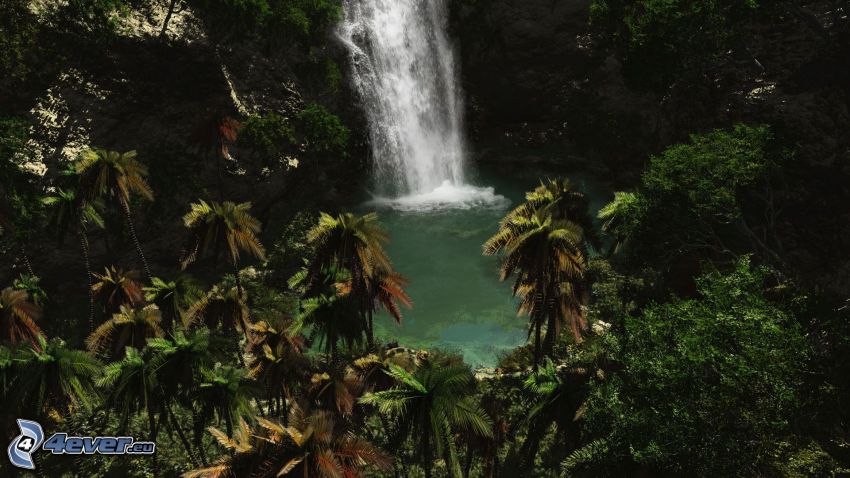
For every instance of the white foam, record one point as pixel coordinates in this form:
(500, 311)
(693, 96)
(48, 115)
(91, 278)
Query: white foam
(447, 196)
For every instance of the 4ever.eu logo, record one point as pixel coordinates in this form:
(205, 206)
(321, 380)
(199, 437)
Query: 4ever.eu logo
(31, 439)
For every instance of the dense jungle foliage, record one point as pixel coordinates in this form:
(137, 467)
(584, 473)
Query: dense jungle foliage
(187, 275)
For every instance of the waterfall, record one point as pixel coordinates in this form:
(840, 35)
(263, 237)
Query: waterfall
(403, 67)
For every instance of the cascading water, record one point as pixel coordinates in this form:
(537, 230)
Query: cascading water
(403, 67)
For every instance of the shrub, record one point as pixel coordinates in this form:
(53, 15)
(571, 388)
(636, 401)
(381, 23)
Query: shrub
(323, 131)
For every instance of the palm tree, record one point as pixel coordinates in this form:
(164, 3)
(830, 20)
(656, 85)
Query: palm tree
(374, 368)
(311, 446)
(225, 392)
(215, 225)
(220, 307)
(247, 450)
(277, 360)
(490, 447)
(171, 297)
(373, 372)
(55, 378)
(315, 447)
(179, 364)
(332, 319)
(131, 390)
(557, 398)
(548, 257)
(428, 406)
(18, 317)
(116, 288)
(356, 244)
(119, 175)
(558, 198)
(619, 217)
(130, 327)
(385, 289)
(336, 390)
(70, 213)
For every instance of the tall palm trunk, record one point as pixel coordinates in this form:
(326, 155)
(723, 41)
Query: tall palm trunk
(427, 453)
(198, 431)
(370, 331)
(240, 292)
(537, 327)
(239, 288)
(467, 465)
(551, 327)
(129, 217)
(153, 430)
(26, 260)
(171, 7)
(185, 442)
(84, 244)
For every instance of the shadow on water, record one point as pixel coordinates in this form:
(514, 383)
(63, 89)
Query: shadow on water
(459, 303)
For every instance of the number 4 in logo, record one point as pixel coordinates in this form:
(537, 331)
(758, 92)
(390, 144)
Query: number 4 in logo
(26, 444)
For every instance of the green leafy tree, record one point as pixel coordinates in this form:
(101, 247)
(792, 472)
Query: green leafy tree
(557, 395)
(18, 44)
(662, 40)
(323, 131)
(32, 286)
(707, 199)
(704, 376)
(269, 135)
(619, 216)
(225, 19)
(429, 406)
(306, 20)
(20, 209)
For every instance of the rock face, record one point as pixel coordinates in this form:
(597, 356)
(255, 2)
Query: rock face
(537, 75)
(533, 73)
(517, 53)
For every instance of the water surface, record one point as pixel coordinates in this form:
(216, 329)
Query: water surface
(459, 303)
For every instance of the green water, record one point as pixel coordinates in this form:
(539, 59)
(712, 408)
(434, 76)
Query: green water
(458, 302)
